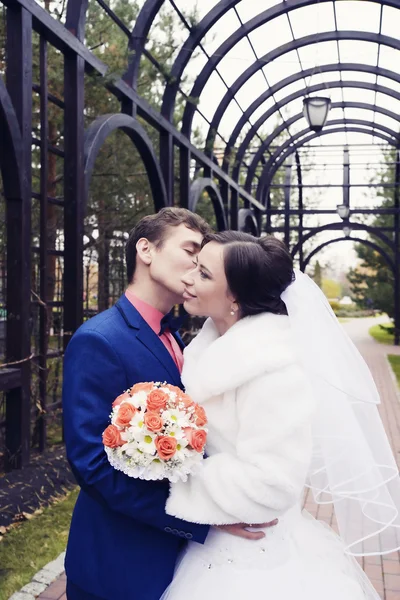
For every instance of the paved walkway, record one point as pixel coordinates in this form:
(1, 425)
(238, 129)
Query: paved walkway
(56, 591)
(384, 572)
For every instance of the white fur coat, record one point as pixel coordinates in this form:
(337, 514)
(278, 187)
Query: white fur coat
(260, 409)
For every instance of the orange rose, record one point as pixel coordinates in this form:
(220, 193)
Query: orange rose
(125, 413)
(153, 421)
(112, 437)
(121, 398)
(141, 387)
(166, 446)
(188, 431)
(186, 400)
(200, 416)
(196, 438)
(157, 400)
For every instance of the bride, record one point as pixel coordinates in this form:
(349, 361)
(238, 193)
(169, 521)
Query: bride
(290, 404)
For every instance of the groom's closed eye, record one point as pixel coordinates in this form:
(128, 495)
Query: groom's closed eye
(191, 248)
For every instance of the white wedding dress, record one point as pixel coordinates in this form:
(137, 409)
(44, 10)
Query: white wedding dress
(259, 408)
(299, 559)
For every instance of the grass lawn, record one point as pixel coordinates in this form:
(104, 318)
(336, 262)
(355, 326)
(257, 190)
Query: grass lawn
(30, 546)
(395, 364)
(380, 335)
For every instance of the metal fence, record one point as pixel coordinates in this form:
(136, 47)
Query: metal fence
(63, 215)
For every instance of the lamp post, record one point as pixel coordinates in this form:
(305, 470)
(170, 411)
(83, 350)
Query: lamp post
(343, 210)
(315, 110)
(347, 231)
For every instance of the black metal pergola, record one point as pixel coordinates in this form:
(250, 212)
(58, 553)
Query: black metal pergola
(238, 171)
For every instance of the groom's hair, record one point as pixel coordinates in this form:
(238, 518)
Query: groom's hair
(257, 270)
(155, 229)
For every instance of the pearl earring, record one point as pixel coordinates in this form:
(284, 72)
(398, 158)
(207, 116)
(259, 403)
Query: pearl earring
(232, 312)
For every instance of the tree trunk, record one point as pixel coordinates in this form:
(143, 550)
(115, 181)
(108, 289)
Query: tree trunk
(103, 250)
(51, 224)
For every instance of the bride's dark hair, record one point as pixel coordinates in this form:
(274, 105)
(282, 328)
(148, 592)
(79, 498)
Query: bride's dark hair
(257, 270)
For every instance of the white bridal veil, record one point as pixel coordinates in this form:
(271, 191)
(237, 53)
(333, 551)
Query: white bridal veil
(353, 465)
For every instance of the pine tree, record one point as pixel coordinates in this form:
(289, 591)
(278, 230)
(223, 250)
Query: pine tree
(120, 192)
(317, 276)
(372, 282)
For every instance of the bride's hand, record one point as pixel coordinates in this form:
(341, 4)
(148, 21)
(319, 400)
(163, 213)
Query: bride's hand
(241, 529)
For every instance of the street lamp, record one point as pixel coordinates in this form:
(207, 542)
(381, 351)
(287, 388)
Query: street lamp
(316, 110)
(343, 211)
(347, 231)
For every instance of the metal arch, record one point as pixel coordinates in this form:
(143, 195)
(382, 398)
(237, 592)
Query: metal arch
(186, 52)
(199, 32)
(76, 9)
(269, 140)
(75, 20)
(206, 184)
(272, 165)
(352, 239)
(11, 161)
(329, 132)
(298, 94)
(138, 39)
(246, 217)
(205, 25)
(300, 190)
(337, 67)
(339, 226)
(96, 135)
(326, 36)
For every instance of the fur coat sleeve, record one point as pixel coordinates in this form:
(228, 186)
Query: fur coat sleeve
(265, 474)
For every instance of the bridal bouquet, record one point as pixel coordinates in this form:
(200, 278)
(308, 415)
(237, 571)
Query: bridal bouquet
(156, 432)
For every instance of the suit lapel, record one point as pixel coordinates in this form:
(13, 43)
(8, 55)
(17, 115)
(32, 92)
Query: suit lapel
(179, 341)
(148, 338)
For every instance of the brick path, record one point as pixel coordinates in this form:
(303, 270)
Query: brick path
(384, 572)
(56, 591)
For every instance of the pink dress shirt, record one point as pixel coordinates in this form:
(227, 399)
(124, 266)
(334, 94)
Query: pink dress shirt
(153, 317)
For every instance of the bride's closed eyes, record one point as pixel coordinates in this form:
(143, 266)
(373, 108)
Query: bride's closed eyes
(206, 291)
(204, 272)
(202, 269)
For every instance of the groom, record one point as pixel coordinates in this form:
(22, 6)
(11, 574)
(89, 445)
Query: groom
(122, 545)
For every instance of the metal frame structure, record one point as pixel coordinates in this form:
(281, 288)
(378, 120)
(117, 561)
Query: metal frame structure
(239, 182)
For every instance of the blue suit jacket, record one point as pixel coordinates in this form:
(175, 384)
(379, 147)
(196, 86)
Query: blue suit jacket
(122, 545)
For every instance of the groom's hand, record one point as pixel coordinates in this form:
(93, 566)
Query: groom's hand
(241, 529)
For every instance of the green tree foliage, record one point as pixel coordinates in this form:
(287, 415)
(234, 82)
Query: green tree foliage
(317, 276)
(120, 192)
(372, 281)
(331, 288)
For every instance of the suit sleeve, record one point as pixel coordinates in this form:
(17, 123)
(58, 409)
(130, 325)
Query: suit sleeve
(93, 378)
(265, 475)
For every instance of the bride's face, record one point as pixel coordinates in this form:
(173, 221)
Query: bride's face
(206, 289)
